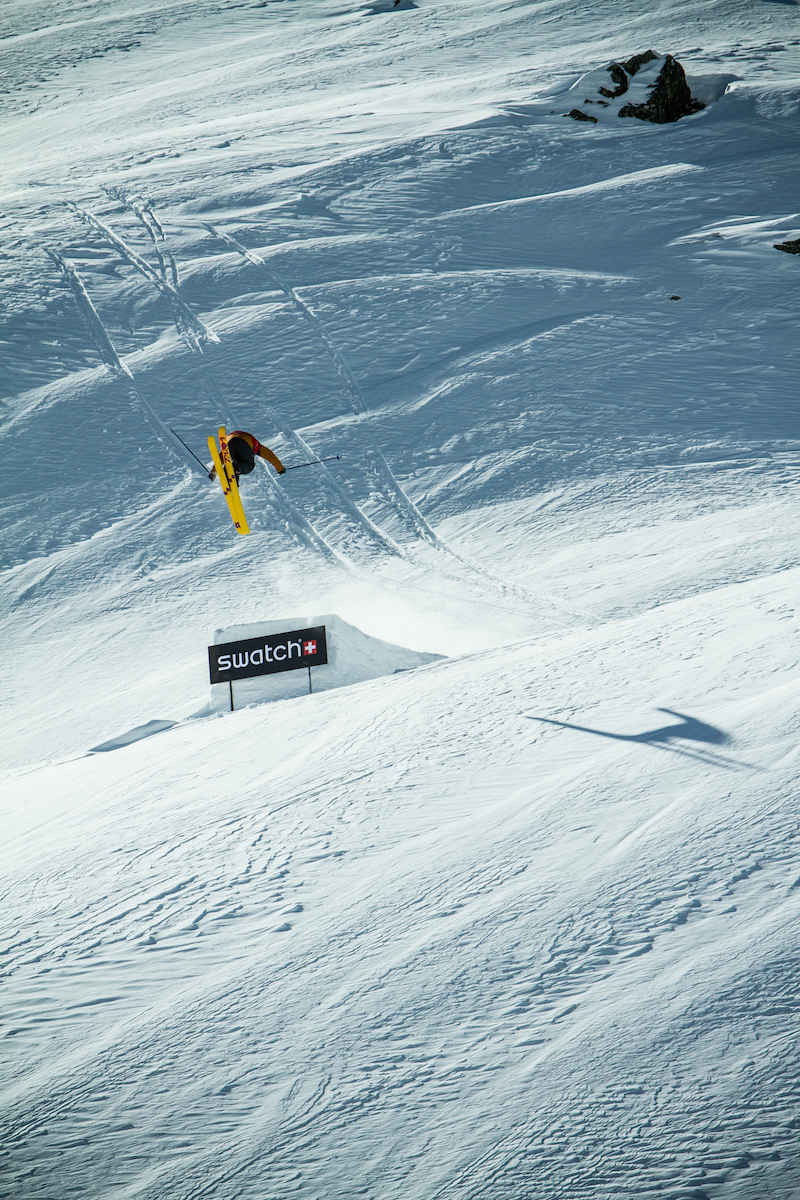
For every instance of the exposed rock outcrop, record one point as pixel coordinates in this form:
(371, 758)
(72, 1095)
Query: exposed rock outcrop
(670, 98)
(651, 87)
(619, 78)
(789, 247)
(619, 73)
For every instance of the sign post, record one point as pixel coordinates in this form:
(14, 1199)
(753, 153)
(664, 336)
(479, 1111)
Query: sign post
(268, 655)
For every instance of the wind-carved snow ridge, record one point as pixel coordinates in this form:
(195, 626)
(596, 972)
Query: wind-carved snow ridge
(613, 183)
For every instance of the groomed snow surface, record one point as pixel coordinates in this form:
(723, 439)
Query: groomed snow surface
(521, 922)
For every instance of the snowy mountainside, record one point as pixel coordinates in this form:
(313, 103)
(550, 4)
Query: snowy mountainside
(522, 921)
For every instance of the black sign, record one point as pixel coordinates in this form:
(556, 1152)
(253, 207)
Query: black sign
(267, 655)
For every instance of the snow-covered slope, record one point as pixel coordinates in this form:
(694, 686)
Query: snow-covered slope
(522, 922)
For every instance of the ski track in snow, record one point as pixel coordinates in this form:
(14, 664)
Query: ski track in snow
(381, 472)
(632, 179)
(295, 524)
(386, 543)
(290, 517)
(379, 467)
(290, 514)
(108, 354)
(189, 321)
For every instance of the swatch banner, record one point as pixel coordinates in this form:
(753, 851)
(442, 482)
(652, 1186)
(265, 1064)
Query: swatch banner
(267, 655)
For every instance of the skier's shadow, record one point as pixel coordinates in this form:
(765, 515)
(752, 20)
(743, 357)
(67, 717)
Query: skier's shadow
(684, 729)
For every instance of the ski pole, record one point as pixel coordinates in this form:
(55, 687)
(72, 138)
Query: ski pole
(313, 462)
(194, 456)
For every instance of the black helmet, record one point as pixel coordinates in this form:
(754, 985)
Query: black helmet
(244, 468)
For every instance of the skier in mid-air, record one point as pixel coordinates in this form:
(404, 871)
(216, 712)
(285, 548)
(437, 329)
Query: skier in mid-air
(243, 449)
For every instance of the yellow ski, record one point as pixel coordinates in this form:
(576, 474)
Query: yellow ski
(227, 478)
(225, 455)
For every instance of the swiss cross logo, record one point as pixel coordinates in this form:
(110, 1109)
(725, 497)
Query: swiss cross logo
(309, 647)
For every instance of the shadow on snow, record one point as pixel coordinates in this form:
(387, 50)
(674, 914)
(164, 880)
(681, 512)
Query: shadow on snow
(684, 729)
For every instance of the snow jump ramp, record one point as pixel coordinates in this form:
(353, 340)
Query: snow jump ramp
(353, 657)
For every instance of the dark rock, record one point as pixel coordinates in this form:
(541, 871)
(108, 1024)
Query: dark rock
(632, 65)
(674, 297)
(619, 77)
(670, 98)
(619, 73)
(577, 115)
(789, 247)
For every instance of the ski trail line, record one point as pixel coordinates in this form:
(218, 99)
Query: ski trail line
(102, 342)
(469, 1169)
(151, 223)
(378, 463)
(200, 331)
(380, 467)
(302, 531)
(111, 360)
(153, 226)
(303, 448)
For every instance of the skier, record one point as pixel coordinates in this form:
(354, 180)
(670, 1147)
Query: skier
(243, 449)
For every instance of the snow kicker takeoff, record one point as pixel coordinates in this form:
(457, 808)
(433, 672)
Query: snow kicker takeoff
(235, 456)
